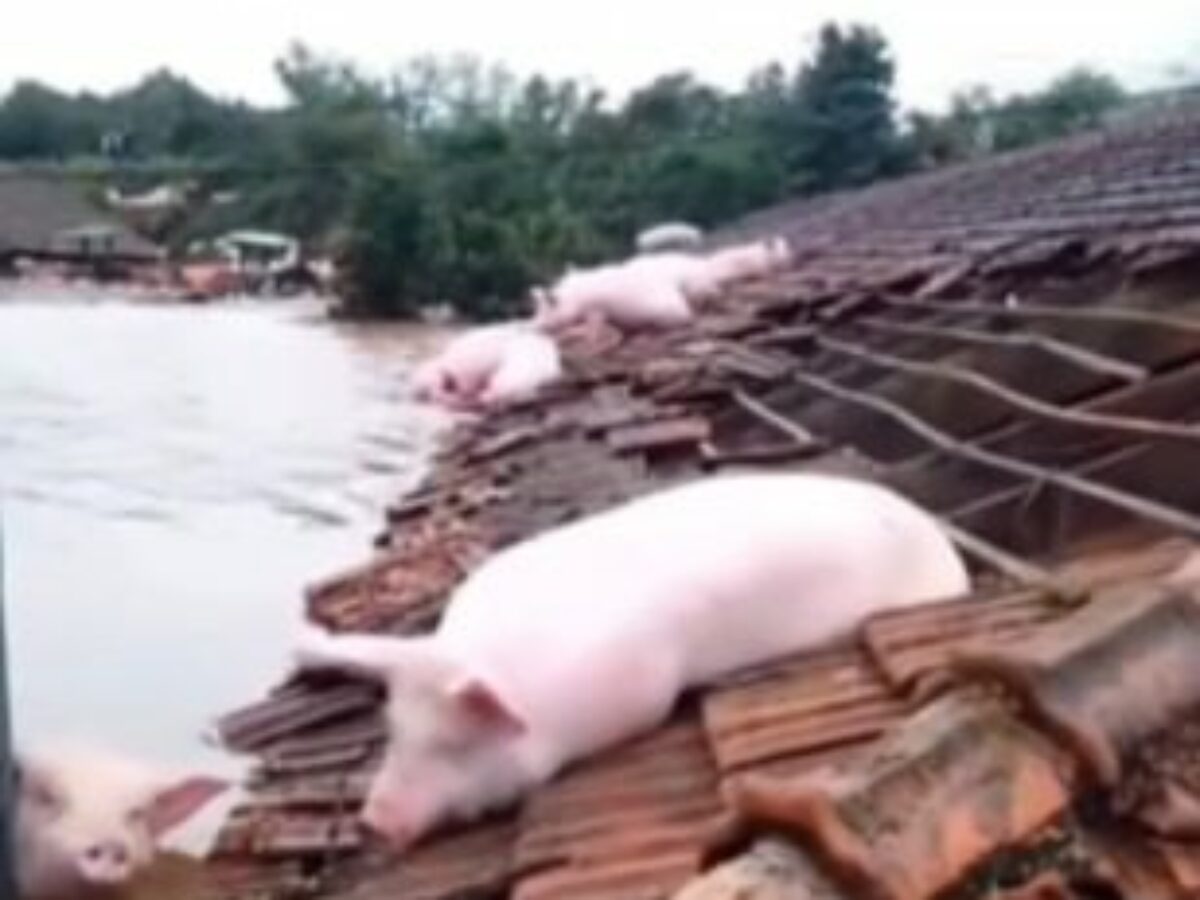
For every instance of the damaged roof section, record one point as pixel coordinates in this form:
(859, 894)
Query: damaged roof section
(1016, 346)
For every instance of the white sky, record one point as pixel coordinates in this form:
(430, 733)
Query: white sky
(228, 47)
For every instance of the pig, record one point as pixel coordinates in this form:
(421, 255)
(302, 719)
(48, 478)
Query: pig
(669, 236)
(628, 296)
(753, 260)
(586, 635)
(1187, 576)
(694, 275)
(460, 373)
(529, 362)
(88, 820)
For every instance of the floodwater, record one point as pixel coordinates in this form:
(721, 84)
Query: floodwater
(170, 479)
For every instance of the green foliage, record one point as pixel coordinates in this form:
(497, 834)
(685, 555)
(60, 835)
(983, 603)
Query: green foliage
(978, 123)
(454, 181)
(841, 112)
(390, 242)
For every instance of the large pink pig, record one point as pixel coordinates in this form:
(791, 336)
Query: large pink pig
(529, 362)
(587, 635)
(462, 366)
(488, 366)
(631, 297)
(753, 260)
(694, 275)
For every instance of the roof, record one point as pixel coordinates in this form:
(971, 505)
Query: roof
(42, 215)
(1015, 345)
(260, 238)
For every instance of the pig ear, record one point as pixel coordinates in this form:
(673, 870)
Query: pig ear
(178, 802)
(485, 707)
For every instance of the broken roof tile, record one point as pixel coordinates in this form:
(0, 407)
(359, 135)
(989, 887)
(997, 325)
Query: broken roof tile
(938, 795)
(256, 726)
(909, 643)
(685, 431)
(1108, 678)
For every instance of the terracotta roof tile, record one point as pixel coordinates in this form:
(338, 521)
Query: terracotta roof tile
(909, 643)
(654, 799)
(475, 863)
(644, 877)
(940, 794)
(1126, 666)
(818, 703)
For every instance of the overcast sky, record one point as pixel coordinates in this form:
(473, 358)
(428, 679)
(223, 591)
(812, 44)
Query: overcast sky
(228, 47)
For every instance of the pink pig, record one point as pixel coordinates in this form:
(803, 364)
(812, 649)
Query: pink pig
(461, 376)
(586, 635)
(694, 275)
(88, 820)
(529, 362)
(631, 297)
(753, 260)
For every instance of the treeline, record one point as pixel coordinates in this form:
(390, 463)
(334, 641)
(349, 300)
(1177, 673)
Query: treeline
(453, 181)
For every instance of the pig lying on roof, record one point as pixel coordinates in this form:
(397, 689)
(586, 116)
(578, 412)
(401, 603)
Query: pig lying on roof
(585, 636)
(754, 260)
(653, 290)
(89, 820)
(489, 367)
(643, 293)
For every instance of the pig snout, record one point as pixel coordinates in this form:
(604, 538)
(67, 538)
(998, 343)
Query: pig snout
(106, 863)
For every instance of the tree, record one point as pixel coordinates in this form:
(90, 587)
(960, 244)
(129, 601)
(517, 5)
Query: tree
(1076, 100)
(389, 243)
(841, 127)
(37, 122)
(978, 123)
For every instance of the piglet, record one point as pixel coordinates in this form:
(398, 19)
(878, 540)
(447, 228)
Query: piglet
(585, 636)
(88, 820)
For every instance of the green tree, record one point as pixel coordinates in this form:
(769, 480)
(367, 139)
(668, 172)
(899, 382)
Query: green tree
(1077, 100)
(390, 243)
(840, 128)
(37, 122)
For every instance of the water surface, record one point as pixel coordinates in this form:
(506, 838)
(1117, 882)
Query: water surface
(171, 478)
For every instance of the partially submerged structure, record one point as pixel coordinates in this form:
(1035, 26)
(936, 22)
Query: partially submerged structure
(258, 253)
(1016, 345)
(49, 219)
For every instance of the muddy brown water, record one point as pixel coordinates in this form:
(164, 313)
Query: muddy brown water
(170, 478)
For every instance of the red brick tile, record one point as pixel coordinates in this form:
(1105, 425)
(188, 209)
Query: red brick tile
(1120, 670)
(913, 814)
